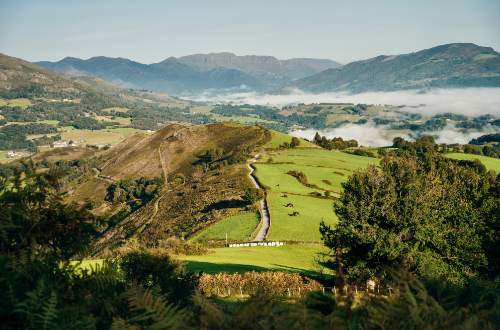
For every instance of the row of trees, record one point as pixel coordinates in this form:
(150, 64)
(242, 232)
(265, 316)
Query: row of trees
(336, 143)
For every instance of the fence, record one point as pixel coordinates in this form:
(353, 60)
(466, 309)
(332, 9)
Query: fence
(250, 244)
(297, 292)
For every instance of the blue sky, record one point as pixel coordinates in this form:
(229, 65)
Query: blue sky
(150, 31)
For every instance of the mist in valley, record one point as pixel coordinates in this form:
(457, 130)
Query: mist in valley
(471, 102)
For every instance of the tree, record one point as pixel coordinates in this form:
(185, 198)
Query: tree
(253, 195)
(488, 151)
(421, 212)
(295, 142)
(317, 138)
(33, 217)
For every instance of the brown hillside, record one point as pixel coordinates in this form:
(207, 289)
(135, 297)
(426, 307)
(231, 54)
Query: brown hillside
(193, 196)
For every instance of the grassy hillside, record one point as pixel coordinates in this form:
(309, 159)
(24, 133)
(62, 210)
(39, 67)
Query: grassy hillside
(296, 208)
(194, 195)
(237, 227)
(489, 162)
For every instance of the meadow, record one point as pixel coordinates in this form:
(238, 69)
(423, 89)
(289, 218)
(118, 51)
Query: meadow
(302, 258)
(489, 162)
(21, 102)
(297, 209)
(105, 136)
(237, 227)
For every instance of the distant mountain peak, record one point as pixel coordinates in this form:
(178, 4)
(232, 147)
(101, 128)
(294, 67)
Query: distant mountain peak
(449, 65)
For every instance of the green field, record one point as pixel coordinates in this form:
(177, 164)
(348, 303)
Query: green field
(301, 227)
(238, 228)
(278, 138)
(296, 258)
(489, 162)
(286, 195)
(104, 136)
(23, 103)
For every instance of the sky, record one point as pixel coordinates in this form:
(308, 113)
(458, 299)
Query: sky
(151, 30)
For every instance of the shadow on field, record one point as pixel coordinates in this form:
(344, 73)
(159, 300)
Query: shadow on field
(226, 204)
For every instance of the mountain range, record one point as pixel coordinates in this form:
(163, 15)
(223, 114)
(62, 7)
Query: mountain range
(195, 73)
(450, 65)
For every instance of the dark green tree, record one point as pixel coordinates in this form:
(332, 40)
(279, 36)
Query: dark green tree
(253, 195)
(419, 211)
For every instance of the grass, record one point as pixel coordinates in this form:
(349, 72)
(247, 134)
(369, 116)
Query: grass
(49, 122)
(3, 156)
(324, 169)
(490, 162)
(105, 136)
(294, 258)
(120, 120)
(23, 103)
(116, 109)
(239, 119)
(278, 138)
(301, 227)
(238, 228)
(299, 258)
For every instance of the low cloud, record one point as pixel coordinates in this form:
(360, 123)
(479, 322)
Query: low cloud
(366, 135)
(465, 101)
(381, 136)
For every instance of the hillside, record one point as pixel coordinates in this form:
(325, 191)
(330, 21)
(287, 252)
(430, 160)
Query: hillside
(17, 75)
(194, 194)
(194, 72)
(451, 65)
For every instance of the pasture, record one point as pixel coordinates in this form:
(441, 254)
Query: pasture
(21, 102)
(104, 136)
(278, 138)
(238, 228)
(301, 258)
(297, 209)
(489, 162)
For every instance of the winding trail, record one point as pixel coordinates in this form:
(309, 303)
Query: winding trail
(264, 209)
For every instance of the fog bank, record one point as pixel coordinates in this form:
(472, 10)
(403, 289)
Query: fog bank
(465, 101)
(380, 136)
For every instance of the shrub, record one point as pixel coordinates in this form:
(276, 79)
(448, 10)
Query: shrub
(253, 195)
(161, 271)
(276, 283)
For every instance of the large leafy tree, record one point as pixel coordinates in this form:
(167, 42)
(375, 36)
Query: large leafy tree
(419, 211)
(34, 219)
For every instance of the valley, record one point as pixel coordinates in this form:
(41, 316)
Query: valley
(124, 207)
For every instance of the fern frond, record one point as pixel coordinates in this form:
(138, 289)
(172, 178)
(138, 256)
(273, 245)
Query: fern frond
(155, 312)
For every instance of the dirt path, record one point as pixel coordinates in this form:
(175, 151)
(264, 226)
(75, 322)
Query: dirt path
(264, 209)
(163, 166)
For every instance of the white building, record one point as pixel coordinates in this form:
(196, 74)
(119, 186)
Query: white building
(60, 144)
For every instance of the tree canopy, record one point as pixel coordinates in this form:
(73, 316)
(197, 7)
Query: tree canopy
(436, 217)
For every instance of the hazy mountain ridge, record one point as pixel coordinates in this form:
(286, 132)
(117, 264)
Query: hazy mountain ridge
(194, 72)
(450, 65)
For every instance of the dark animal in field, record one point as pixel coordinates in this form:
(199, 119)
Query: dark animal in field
(289, 205)
(294, 214)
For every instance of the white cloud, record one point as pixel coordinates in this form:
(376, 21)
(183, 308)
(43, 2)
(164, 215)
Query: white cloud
(366, 135)
(466, 101)
(380, 136)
